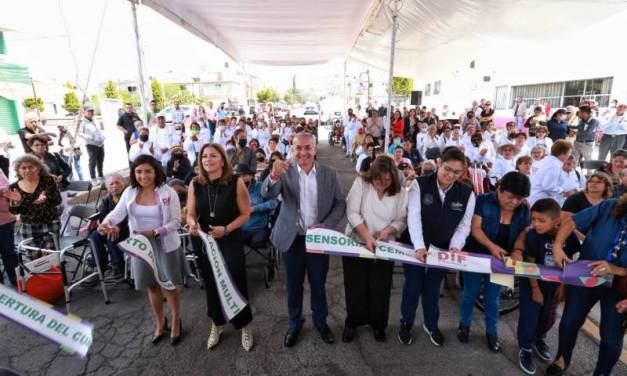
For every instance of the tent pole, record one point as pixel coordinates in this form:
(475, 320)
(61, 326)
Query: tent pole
(344, 78)
(388, 123)
(140, 60)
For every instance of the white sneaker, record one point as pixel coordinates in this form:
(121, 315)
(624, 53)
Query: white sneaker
(214, 336)
(247, 337)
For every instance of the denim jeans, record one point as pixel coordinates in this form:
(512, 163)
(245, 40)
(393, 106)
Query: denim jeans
(533, 319)
(7, 251)
(491, 298)
(579, 302)
(520, 122)
(76, 166)
(426, 282)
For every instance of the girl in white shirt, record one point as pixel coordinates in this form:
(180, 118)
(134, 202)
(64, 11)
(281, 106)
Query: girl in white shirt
(142, 147)
(194, 141)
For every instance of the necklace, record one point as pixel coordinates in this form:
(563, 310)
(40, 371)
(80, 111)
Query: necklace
(212, 207)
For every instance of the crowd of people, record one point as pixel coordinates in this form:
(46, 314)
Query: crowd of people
(455, 185)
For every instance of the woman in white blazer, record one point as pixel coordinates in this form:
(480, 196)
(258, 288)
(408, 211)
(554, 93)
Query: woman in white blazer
(154, 211)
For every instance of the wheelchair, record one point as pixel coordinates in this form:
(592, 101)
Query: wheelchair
(270, 255)
(70, 257)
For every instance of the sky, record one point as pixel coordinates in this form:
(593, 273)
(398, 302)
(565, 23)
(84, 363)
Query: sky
(56, 39)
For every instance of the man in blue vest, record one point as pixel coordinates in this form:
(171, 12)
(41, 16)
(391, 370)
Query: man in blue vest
(439, 214)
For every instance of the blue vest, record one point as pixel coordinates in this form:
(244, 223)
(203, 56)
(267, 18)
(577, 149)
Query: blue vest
(439, 220)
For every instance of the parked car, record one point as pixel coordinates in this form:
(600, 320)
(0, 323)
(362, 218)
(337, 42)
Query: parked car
(167, 112)
(311, 114)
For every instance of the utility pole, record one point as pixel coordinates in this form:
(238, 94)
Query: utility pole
(395, 7)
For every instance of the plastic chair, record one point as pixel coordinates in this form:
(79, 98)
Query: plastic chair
(81, 186)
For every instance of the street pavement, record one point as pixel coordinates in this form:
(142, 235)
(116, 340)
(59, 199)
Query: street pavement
(122, 332)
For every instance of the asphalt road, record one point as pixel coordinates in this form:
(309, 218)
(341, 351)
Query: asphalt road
(123, 330)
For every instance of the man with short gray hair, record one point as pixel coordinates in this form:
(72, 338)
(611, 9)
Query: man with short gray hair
(312, 197)
(101, 242)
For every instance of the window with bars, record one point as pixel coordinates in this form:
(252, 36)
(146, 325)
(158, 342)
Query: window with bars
(437, 87)
(427, 90)
(564, 93)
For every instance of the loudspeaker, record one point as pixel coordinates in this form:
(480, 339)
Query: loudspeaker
(416, 98)
(486, 78)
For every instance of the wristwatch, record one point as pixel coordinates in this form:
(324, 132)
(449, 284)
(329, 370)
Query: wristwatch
(155, 233)
(226, 231)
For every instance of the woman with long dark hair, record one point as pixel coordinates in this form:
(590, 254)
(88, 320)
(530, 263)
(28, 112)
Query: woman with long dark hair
(218, 204)
(153, 210)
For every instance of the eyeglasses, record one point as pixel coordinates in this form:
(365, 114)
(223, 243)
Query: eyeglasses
(450, 171)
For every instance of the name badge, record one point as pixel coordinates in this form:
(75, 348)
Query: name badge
(457, 206)
(427, 199)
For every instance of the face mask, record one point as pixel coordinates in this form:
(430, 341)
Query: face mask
(260, 159)
(476, 143)
(230, 147)
(562, 117)
(195, 132)
(282, 125)
(143, 138)
(242, 142)
(179, 132)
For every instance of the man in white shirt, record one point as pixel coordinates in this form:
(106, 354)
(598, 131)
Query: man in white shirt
(178, 116)
(163, 138)
(614, 131)
(440, 212)
(312, 197)
(94, 142)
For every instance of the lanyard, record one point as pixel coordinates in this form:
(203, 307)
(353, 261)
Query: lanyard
(615, 250)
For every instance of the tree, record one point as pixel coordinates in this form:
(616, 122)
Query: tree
(111, 91)
(132, 98)
(266, 95)
(292, 96)
(157, 93)
(174, 91)
(402, 86)
(71, 103)
(31, 103)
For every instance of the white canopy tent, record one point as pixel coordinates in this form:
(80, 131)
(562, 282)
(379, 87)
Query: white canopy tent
(433, 36)
(272, 32)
